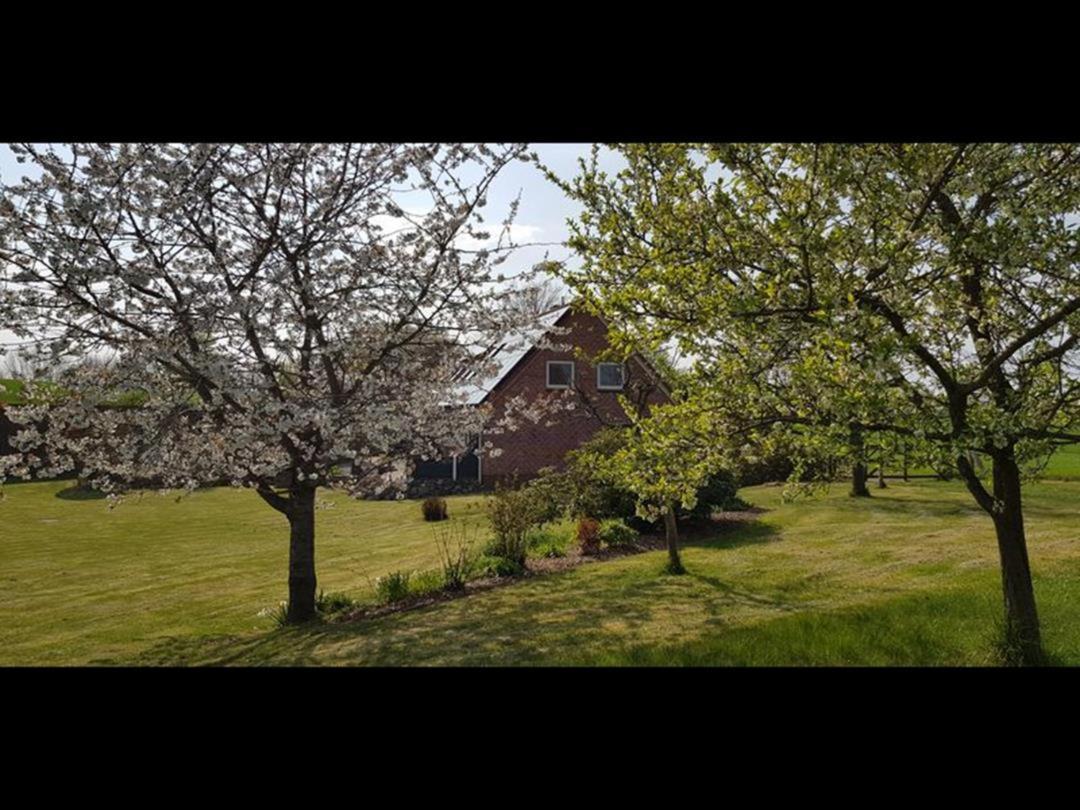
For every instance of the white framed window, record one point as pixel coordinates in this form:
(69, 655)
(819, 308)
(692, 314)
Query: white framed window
(560, 373)
(610, 376)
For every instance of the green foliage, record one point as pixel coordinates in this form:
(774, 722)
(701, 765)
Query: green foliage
(11, 392)
(422, 583)
(393, 587)
(599, 474)
(669, 455)
(513, 513)
(590, 491)
(715, 495)
(588, 535)
(839, 320)
(329, 604)
(553, 494)
(616, 534)
(488, 565)
(548, 542)
(434, 508)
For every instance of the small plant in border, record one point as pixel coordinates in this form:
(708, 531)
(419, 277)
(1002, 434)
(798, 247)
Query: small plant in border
(455, 554)
(548, 542)
(588, 535)
(616, 534)
(329, 604)
(423, 583)
(393, 587)
(492, 566)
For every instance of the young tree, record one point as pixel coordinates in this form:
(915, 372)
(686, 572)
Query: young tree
(664, 461)
(952, 267)
(278, 307)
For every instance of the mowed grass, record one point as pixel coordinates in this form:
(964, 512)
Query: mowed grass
(80, 582)
(908, 577)
(1064, 464)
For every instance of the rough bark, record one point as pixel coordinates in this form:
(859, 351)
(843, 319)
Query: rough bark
(671, 534)
(301, 554)
(1023, 642)
(858, 469)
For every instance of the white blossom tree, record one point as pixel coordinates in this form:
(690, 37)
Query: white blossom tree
(275, 310)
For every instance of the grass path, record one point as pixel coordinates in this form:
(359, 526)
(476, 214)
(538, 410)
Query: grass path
(906, 577)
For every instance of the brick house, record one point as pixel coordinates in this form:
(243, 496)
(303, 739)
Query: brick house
(553, 365)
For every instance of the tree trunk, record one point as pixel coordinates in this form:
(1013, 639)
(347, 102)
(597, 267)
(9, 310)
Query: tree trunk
(671, 534)
(301, 554)
(858, 470)
(881, 474)
(1022, 637)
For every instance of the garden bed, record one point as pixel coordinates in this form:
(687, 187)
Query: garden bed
(541, 566)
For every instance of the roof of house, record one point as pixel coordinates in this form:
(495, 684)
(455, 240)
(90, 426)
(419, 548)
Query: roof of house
(507, 354)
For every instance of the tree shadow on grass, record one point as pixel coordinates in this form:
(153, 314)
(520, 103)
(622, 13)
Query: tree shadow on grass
(80, 493)
(500, 627)
(730, 534)
(733, 595)
(293, 646)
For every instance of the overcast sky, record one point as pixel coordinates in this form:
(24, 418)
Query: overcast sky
(541, 217)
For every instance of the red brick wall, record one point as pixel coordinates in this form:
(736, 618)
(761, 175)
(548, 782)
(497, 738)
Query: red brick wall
(534, 446)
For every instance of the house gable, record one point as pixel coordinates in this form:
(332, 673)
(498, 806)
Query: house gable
(531, 447)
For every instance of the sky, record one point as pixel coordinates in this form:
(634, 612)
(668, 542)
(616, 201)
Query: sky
(541, 217)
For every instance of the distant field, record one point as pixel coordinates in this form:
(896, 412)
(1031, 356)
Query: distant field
(909, 576)
(1064, 464)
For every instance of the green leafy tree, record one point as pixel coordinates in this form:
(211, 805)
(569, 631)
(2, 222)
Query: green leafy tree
(939, 280)
(664, 462)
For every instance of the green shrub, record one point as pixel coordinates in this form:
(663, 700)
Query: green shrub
(513, 513)
(491, 566)
(588, 535)
(456, 555)
(423, 583)
(393, 587)
(549, 542)
(588, 492)
(717, 491)
(330, 603)
(551, 494)
(434, 508)
(615, 533)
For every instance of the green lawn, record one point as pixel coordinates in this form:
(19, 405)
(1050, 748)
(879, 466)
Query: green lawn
(907, 577)
(1064, 464)
(80, 582)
